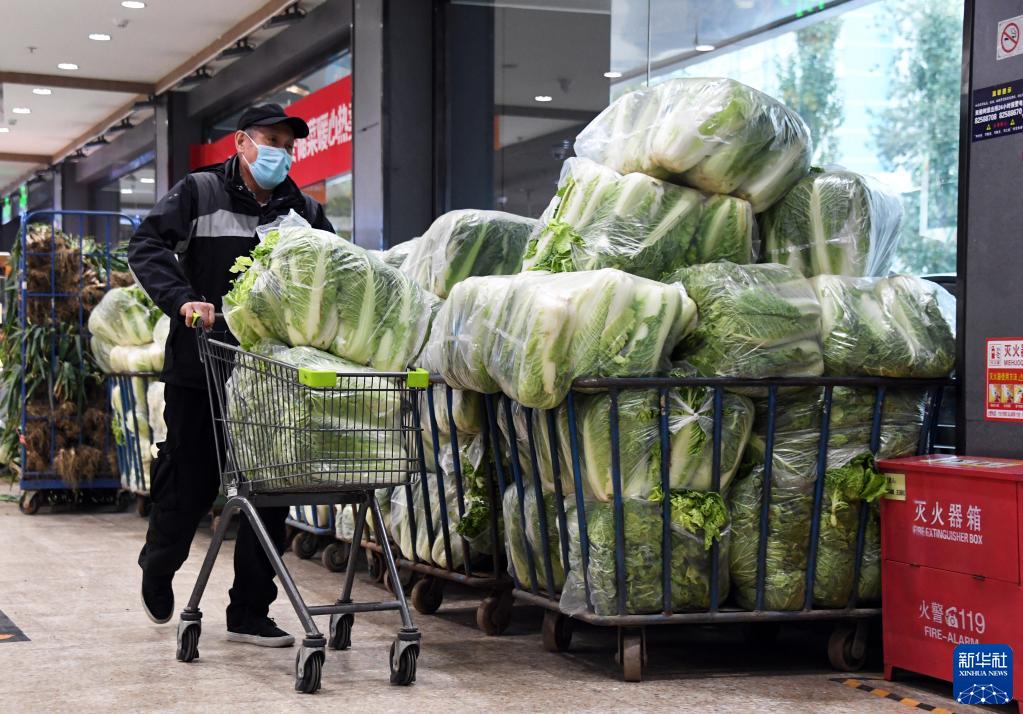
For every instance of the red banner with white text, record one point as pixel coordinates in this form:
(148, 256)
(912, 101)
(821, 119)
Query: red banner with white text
(326, 152)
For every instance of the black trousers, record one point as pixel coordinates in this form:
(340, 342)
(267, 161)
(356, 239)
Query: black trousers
(185, 483)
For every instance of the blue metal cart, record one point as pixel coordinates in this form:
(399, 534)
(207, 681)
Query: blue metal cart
(539, 585)
(58, 310)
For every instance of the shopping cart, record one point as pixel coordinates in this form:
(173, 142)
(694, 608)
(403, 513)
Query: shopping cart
(294, 436)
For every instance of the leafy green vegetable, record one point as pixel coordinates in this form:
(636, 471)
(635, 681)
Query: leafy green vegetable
(638, 224)
(690, 414)
(697, 520)
(899, 326)
(530, 335)
(835, 223)
(521, 536)
(464, 243)
(125, 316)
(716, 135)
(755, 321)
(845, 488)
(312, 288)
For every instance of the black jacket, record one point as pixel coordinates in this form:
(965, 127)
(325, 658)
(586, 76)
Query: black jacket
(184, 249)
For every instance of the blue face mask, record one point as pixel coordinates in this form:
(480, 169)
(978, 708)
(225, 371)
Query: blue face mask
(270, 167)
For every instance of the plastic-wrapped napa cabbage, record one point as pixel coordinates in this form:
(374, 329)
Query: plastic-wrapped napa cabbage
(125, 316)
(697, 520)
(530, 335)
(311, 288)
(899, 326)
(755, 321)
(155, 401)
(130, 425)
(464, 243)
(713, 134)
(690, 440)
(602, 219)
(834, 223)
(524, 539)
(349, 433)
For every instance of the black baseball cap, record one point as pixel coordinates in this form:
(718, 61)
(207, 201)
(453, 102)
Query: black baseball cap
(269, 114)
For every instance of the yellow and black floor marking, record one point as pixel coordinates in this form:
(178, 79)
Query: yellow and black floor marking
(9, 632)
(886, 694)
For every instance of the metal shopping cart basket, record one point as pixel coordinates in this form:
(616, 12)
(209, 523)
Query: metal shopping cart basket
(293, 436)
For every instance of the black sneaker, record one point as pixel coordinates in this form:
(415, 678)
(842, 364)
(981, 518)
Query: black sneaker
(157, 598)
(264, 633)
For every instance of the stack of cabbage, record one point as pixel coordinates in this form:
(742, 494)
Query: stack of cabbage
(350, 432)
(834, 222)
(129, 335)
(461, 244)
(306, 287)
(602, 219)
(886, 327)
(531, 335)
(755, 321)
(716, 135)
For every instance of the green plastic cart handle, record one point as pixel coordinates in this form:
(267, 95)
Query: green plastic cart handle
(196, 319)
(317, 378)
(418, 379)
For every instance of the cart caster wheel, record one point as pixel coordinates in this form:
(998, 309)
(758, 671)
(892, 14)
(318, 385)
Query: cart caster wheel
(405, 579)
(335, 556)
(143, 506)
(843, 652)
(188, 641)
(309, 671)
(631, 654)
(428, 595)
(304, 545)
(405, 672)
(123, 500)
(375, 565)
(341, 631)
(494, 614)
(557, 631)
(30, 502)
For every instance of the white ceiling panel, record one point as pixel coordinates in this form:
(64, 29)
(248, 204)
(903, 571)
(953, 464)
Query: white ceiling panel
(151, 42)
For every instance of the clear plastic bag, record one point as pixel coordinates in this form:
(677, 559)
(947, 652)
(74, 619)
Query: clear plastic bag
(464, 243)
(898, 326)
(690, 437)
(530, 335)
(155, 400)
(518, 538)
(312, 288)
(602, 219)
(834, 223)
(713, 134)
(125, 316)
(756, 321)
(642, 531)
(476, 465)
(131, 429)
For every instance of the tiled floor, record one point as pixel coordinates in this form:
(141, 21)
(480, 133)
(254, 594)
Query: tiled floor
(70, 582)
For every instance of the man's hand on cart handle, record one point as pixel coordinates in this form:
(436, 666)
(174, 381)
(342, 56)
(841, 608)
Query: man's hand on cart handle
(198, 313)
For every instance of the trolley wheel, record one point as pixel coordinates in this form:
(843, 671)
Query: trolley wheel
(307, 681)
(123, 500)
(188, 643)
(30, 502)
(335, 556)
(375, 565)
(843, 652)
(341, 631)
(427, 595)
(405, 673)
(304, 545)
(631, 655)
(405, 579)
(143, 506)
(557, 631)
(494, 613)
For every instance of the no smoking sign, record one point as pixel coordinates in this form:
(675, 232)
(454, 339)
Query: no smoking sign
(1009, 36)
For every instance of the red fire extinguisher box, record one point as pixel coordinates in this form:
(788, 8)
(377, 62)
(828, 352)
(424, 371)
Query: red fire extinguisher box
(951, 551)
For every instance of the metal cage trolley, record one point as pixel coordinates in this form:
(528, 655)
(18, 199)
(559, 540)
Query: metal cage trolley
(133, 434)
(537, 580)
(293, 436)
